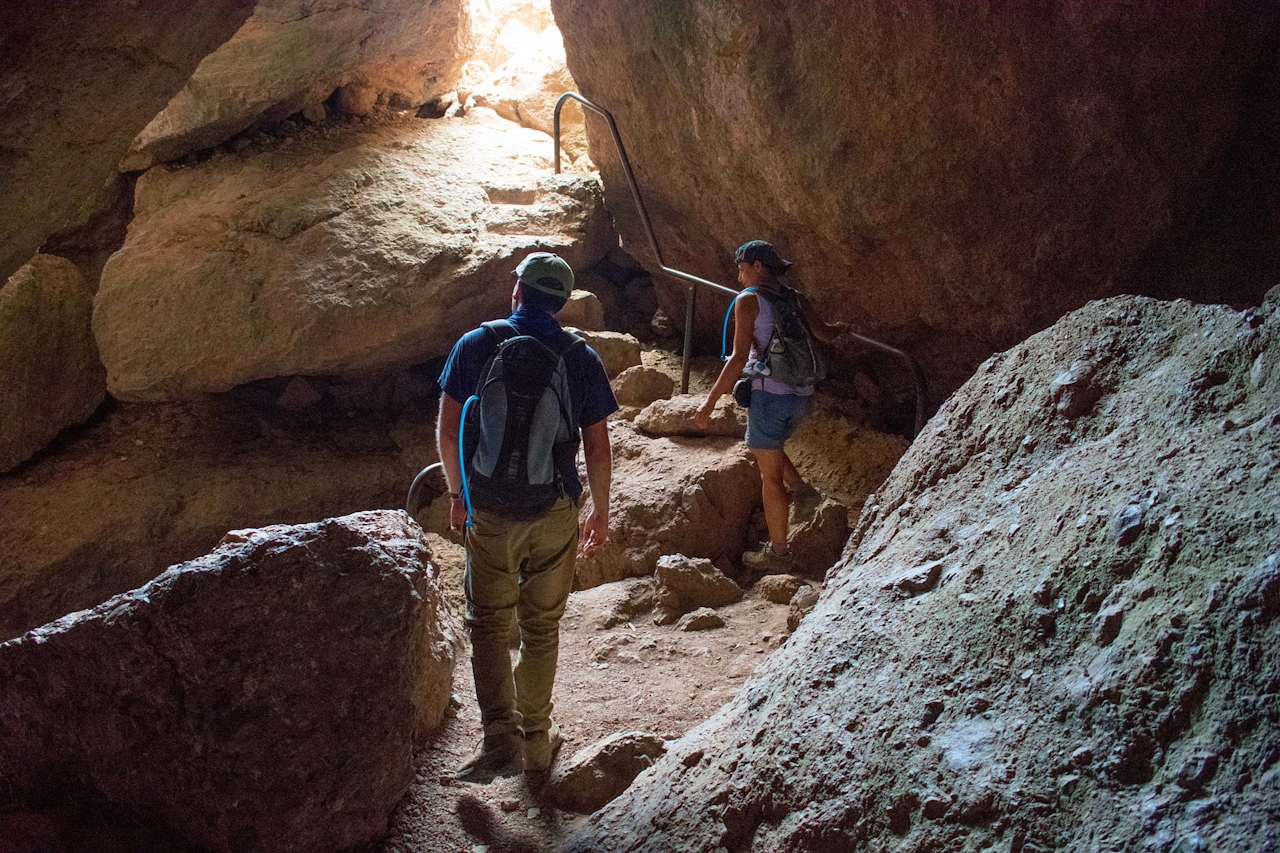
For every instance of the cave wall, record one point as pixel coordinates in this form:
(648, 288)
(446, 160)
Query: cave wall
(76, 86)
(949, 178)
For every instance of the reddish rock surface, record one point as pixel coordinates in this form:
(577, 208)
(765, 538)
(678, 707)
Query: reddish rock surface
(1085, 649)
(946, 178)
(265, 697)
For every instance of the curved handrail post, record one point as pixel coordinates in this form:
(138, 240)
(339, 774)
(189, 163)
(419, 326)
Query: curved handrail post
(691, 303)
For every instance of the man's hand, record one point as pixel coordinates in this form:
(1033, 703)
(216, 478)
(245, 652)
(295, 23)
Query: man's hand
(702, 418)
(457, 515)
(594, 533)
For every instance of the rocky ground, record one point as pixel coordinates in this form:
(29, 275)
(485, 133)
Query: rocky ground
(635, 676)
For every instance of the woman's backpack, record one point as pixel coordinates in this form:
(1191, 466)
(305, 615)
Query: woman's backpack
(790, 356)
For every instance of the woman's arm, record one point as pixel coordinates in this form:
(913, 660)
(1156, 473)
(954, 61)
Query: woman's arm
(822, 330)
(745, 310)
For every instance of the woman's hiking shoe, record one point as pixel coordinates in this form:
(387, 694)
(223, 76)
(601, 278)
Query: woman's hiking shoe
(497, 756)
(540, 749)
(768, 561)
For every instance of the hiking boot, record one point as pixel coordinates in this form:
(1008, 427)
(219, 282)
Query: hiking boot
(768, 561)
(540, 749)
(497, 756)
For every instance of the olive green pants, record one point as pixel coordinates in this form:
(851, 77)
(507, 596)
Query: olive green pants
(518, 571)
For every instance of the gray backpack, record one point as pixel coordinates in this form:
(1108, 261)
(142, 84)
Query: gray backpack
(518, 430)
(791, 357)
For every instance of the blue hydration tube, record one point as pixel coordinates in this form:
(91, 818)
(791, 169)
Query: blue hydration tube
(462, 461)
(724, 332)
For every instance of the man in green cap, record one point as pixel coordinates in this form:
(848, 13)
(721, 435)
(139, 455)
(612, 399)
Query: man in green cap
(522, 393)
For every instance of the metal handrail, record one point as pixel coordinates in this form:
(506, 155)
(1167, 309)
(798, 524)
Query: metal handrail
(692, 301)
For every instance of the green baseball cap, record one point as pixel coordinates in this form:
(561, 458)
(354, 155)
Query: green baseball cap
(547, 272)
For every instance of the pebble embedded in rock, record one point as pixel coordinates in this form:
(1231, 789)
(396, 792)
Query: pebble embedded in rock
(934, 807)
(1107, 625)
(1128, 524)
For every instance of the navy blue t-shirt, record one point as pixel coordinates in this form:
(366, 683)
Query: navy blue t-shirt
(590, 394)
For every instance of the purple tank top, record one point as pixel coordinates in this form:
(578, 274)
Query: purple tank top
(760, 339)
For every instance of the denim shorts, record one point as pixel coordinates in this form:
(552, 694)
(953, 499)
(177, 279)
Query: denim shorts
(772, 418)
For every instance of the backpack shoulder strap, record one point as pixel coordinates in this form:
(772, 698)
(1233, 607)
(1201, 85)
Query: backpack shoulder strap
(564, 342)
(499, 330)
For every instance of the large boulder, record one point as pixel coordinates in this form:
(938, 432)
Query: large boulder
(674, 417)
(640, 386)
(947, 178)
(1093, 666)
(265, 697)
(292, 54)
(50, 374)
(78, 86)
(617, 350)
(672, 496)
(145, 486)
(582, 311)
(348, 251)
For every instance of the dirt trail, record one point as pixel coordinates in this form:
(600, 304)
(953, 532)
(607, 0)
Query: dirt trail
(638, 676)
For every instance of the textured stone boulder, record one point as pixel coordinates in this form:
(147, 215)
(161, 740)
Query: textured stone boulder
(992, 710)
(675, 417)
(817, 530)
(617, 350)
(265, 697)
(672, 496)
(686, 585)
(50, 374)
(802, 603)
(612, 604)
(291, 55)
(582, 311)
(601, 771)
(144, 487)
(78, 86)
(348, 251)
(702, 619)
(947, 179)
(640, 386)
(841, 455)
(779, 589)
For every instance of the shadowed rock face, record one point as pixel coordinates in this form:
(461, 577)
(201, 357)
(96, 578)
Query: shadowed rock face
(348, 250)
(946, 178)
(76, 86)
(1056, 628)
(50, 376)
(264, 697)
